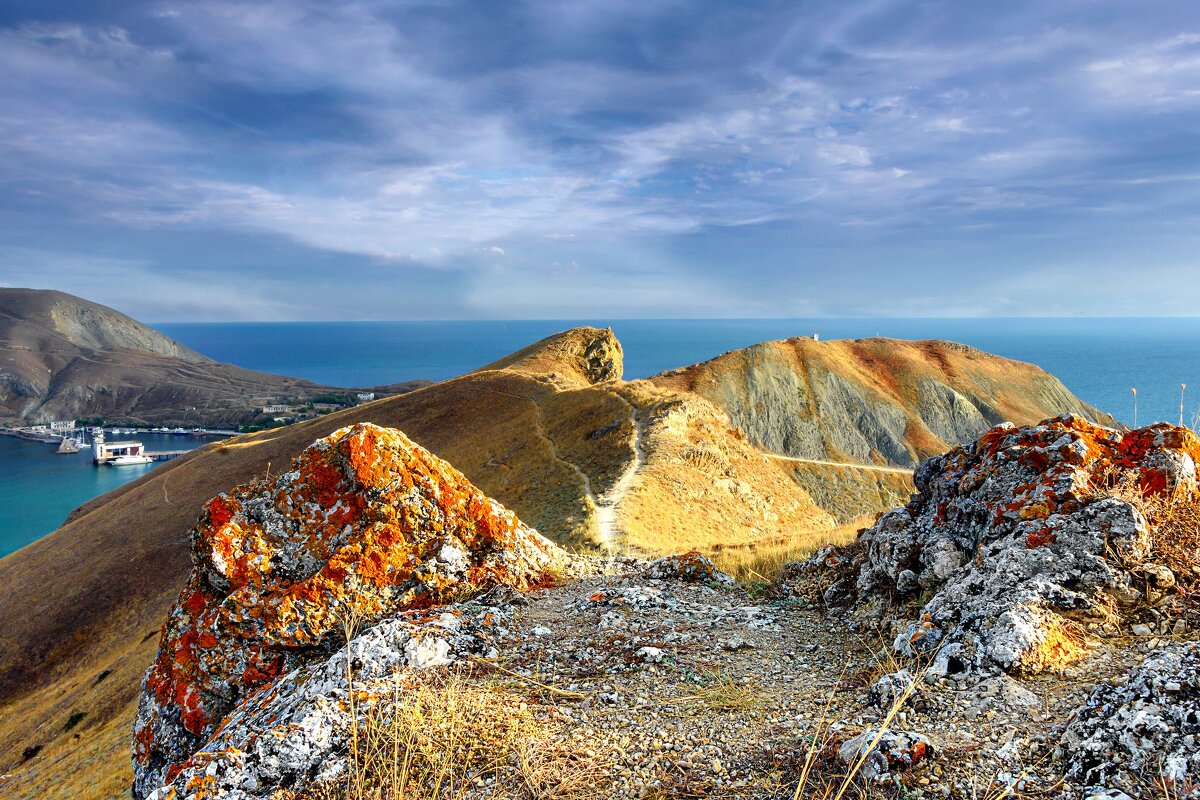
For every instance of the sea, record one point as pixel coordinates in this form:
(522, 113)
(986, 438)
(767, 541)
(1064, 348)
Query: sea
(1101, 360)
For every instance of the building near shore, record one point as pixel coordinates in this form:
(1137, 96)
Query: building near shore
(104, 452)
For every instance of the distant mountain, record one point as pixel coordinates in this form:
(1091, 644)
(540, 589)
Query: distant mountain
(873, 401)
(54, 325)
(62, 357)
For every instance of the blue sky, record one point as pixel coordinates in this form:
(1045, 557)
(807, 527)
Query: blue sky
(229, 160)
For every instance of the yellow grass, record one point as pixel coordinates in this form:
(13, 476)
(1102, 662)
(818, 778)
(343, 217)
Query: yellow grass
(760, 563)
(437, 735)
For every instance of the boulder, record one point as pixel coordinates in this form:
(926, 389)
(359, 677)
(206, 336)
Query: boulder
(690, 567)
(1142, 735)
(879, 754)
(365, 524)
(1010, 538)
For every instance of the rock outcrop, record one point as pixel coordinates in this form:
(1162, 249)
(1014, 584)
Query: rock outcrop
(1017, 545)
(585, 355)
(873, 401)
(1141, 735)
(365, 524)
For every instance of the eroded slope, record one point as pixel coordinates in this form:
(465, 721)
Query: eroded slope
(873, 401)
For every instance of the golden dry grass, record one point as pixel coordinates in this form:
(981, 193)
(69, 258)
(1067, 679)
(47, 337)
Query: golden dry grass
(851, 494)
(437, 735)
(761, 563)
(732, 496)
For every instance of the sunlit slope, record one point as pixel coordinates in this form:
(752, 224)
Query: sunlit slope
(590, 461)
(872, 401)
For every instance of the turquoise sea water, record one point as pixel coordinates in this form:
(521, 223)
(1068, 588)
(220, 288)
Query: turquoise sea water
(39, 487)
(1098, 359)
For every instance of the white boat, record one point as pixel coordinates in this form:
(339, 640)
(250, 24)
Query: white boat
(126, 461)
(180, 432)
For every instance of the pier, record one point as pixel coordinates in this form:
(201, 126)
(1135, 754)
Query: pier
(166, 455)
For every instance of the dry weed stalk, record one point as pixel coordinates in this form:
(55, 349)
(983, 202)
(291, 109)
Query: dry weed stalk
(1172, 537)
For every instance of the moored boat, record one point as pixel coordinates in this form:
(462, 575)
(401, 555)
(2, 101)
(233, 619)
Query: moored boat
(130, 460)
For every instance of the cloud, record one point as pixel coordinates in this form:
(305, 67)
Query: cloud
(769, 158)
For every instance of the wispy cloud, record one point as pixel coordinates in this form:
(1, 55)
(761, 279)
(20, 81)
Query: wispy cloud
(595, 158)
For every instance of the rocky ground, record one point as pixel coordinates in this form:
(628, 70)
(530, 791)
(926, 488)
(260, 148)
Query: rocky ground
(669, 687)
(965, 646)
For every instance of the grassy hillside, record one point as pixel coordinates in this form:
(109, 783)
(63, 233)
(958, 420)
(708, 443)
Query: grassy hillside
(88, 600)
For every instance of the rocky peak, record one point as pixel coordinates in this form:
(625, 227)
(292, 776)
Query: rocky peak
(587, 355)
(364, 524)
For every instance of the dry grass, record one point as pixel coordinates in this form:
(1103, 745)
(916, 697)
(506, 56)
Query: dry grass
(818, 778)
(720, 694)
(449, 735)
(851, 493)
(759, 564)
(1173, 535)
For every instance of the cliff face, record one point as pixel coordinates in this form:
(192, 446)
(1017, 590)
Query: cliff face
(62, 357)
(872, 401)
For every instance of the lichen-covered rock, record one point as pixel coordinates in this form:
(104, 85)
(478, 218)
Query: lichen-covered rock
(881, 754)
(365, 524)
(1143, 730)
(691, 567)
(296, 730)
(1010, 538)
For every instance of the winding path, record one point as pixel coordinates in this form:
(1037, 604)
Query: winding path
(607, 511)
(778, 457)
(606, 506)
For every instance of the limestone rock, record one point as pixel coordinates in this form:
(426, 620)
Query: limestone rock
(365, 524)
(692, 567)
(1010, 538)
(883, 753)
(1144, 729)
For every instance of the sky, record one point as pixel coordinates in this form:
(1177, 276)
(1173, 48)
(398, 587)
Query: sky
(293, 160)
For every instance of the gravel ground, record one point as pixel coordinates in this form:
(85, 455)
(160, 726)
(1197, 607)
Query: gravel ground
(692, 689)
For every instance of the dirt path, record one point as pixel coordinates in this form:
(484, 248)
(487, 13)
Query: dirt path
(606, 506)
(899, 470)
(607, 512)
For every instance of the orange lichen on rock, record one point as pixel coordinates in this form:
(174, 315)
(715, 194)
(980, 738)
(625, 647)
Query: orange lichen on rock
(1012, 539)
(366, 523)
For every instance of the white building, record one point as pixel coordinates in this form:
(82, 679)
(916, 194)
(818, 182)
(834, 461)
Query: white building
(63, 425)
(275, 409)
(103, 452)
(365, 397)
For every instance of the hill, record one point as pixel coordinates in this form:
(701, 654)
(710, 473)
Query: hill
(62, 357)
(873, 401)
(594, 463)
